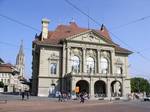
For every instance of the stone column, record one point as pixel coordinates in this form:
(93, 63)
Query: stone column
(63, 60)
(98, 61)
(73, 84)
(63, 63)
(108, 89)
(112, 62)
(126, 67)
(84, 60)
(91, 88)
(123, 88)
(68, 60)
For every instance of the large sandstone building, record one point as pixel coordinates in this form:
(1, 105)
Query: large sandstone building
(73, 58)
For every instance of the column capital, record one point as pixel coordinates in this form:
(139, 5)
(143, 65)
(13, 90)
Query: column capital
(68, 47)
(83, 48)
(98, 50)
(112, 51)
(123, 79)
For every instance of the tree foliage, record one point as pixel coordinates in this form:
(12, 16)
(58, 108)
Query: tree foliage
(1, 84)
(140, 85)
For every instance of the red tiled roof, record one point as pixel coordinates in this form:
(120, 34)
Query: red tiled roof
(6, 68)
(64, 31)
(119, 49)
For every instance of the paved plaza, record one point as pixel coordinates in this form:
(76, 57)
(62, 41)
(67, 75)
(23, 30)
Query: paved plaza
(36, 104)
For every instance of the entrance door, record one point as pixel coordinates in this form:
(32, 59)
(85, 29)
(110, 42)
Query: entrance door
(5, 88)
(100, 88)
(83, 86)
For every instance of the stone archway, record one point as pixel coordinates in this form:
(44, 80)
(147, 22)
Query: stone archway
(83, 86)
(100, 88)
(116, 89)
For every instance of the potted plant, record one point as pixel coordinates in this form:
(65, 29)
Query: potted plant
(1, 86)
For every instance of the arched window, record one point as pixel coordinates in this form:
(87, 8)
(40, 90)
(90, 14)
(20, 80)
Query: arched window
(104, 65)
(75, 62)
(90, 65)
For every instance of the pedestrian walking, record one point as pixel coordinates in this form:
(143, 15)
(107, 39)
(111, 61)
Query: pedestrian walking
(28, 94)
(59, 96)
(68, 96)
(22, 95)
(81, 98)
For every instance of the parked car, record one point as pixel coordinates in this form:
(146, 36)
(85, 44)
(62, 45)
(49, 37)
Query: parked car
(73, 96)
(146, 98)
(57, 94)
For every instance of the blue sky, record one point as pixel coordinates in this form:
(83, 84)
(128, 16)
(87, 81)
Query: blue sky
(111, 13)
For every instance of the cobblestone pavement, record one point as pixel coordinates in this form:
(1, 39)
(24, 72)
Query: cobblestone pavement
(36, 104)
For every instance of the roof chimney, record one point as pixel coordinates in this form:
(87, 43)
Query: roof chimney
(45, 23)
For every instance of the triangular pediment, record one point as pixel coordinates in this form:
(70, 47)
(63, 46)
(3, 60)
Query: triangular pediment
(89, 36)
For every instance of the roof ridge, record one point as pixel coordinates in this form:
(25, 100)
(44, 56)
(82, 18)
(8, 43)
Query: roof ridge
(63, 31)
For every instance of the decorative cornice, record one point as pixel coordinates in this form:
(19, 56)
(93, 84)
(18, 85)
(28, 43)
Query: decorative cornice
(56, 77)
(91, 53)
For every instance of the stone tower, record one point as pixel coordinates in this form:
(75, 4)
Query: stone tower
(20, 61)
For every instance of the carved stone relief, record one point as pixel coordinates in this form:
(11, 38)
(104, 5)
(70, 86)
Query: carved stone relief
(76, 51)
(91, 53)
(89, 37)
(53, 56)
(105, 54)
(119, 61)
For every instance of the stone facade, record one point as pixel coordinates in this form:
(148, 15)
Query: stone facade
(7, 76)
(84, 59)
(13, 76)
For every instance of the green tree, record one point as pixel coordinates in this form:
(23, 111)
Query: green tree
(140, 85)
(1, 84)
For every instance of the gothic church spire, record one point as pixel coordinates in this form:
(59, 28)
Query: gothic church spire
(20, 60)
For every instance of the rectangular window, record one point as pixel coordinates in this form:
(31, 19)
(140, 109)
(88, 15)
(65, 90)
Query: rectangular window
(8, 80)
(88, 69)
(53, 68)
